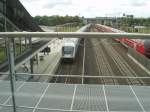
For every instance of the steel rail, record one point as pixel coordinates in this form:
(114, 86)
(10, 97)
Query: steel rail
(75, 35)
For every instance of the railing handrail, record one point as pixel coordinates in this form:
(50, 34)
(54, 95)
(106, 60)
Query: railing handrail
(75, 35)
(82, 76)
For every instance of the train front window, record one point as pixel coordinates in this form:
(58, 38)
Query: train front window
(68, 50)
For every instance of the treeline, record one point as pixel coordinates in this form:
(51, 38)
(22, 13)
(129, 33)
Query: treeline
(130, 22)
(56, 20)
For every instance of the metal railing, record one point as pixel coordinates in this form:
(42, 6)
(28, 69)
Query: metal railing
(82, 76)
(10, 35)
(74, 35)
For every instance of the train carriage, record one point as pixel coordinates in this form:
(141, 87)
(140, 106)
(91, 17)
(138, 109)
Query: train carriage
(70, 45)
(140, 45)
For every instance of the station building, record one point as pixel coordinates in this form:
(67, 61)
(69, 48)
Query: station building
(14, 17)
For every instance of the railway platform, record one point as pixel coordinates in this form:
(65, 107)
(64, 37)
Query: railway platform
(47, 63)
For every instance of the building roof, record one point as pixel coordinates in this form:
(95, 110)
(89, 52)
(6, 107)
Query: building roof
(16, 12)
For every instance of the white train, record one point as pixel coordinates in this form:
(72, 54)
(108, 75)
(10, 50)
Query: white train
(70, 45)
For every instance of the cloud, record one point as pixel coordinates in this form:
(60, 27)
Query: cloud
(29, 1)
(88, 8)
(138, 3)
(54, 3)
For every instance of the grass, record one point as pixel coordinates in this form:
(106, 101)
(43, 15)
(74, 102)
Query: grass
(140, 30)
(2, 54)
(18, 49)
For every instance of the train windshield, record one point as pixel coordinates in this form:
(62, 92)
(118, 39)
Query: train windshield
(68, 50)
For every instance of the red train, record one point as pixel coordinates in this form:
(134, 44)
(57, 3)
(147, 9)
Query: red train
(141, 45)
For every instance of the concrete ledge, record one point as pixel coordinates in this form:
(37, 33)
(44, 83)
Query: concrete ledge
(139, 64)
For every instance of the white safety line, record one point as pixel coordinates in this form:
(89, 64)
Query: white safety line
(20, 86)
(16, 91)
(83, 68)
(137, 99)
(10, 96)
(49, 109)
(74, 93)
(105, 98)
(41, 98)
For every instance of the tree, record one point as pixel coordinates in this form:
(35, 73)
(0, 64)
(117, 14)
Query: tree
(56, 20)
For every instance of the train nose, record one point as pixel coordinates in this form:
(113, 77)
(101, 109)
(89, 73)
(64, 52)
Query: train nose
(147, 48)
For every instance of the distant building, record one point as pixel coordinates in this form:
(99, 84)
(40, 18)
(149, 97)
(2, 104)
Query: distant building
(13, 16)
(128, 16)
(101, 20)
(139, 27)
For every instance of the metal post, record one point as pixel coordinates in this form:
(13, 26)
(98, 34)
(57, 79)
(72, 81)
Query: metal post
(5, 21)
(20, 44)
(31, 65)
(14, 47)
(83, 70)
(37, 59)
(25, 42)
(5, 25)
(12, 70)
(30, 42)
(31, 60)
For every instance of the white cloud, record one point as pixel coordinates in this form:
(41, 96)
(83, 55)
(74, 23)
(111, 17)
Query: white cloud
(88, 8)
(138, 3)
(53, 3)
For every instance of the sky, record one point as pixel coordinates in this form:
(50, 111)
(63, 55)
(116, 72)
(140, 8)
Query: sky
(88, 8)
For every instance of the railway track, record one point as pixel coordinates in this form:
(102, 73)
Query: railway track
(137, 71)
(124, 68)
(102, 64)
(110, 63)
(66, 68)
(102, 58)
